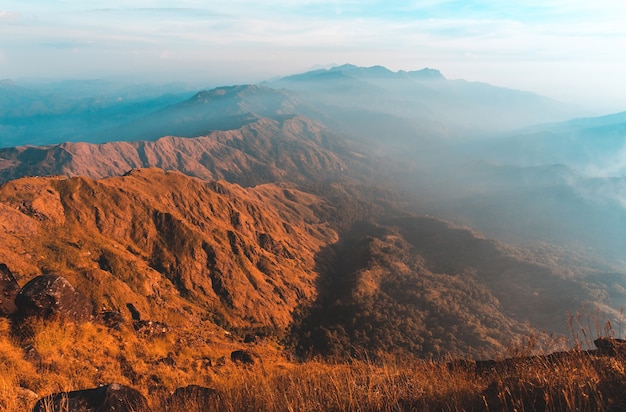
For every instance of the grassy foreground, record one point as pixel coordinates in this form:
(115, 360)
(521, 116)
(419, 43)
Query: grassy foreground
(580, 384)
(52, 357)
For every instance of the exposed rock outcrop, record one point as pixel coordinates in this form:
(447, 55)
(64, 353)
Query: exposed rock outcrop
(242, 356)
(151, 242)
(113, 397)
(52, 296)
(606, 347)
(611, 347)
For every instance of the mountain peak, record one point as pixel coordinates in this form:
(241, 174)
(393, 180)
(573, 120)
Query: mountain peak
(346, 66)
(204, 95)
(426, 74)
(372, 71)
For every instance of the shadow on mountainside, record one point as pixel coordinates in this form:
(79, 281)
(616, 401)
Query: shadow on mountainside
(418, 286)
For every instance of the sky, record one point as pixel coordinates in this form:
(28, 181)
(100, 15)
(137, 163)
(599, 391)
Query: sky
(571, 50)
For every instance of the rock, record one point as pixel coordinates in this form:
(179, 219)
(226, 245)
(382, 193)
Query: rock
(134, 313)
(242, 356)
(168, 360)
(113, 397)
(8, 291)
(52, 296)
(112, 319)
(462, 365)
(610, 346)
(195, 395)
(486, 366)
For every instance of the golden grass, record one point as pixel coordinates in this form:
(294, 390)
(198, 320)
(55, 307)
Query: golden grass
(48, 357)
(579, 383)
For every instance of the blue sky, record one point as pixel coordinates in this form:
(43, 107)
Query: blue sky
(571, 50)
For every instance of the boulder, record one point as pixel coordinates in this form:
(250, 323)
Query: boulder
(242, 356)
(193, 395)
(112, 319)
(611, 346)
(134, 313)
(113, 397)
(52, 296)
(8, 291)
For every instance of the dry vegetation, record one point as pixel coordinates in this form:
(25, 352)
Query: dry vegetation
(54, 356)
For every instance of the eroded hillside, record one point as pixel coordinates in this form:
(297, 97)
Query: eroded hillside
(169, 244)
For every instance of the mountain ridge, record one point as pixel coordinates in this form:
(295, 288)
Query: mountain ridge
(252, 154)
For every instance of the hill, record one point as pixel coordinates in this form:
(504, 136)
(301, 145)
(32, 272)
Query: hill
(591, 146)
(257, 227)
(165, 242)
(426, 103)
(293, 148)
(197, 269)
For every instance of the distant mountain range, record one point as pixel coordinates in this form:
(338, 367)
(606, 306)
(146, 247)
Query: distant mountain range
(593, 146)
(430, 104)
(386, 108)
(563, 183)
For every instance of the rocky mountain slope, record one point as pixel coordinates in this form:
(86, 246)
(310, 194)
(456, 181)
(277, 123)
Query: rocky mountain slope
(421, 285)
(177, 248)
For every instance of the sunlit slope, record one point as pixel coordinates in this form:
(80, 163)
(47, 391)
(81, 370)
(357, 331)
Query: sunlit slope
(293, 149)
(169, 244)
